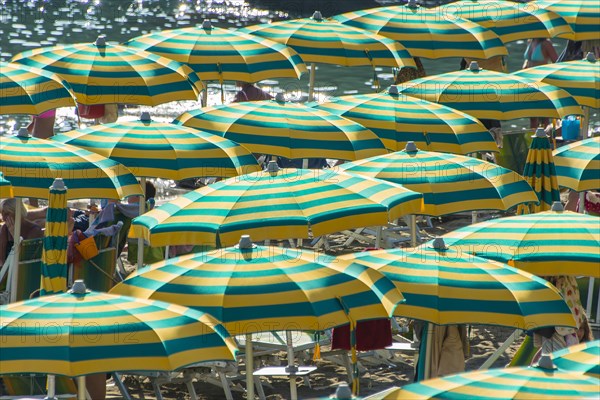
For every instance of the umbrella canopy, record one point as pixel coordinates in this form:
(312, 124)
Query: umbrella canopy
(445, 286)
(582, 15)
(579, 78)
(223, 54)
(85, 332)
(544, 243)
(510, 21)
(493, 95)
(450, 183)
(400, 119)
(5, 188)
(26, 90)
(581, 358)
(162, 150)
(102, 73)
(286, 129)
(56, 237)
(578, 165)
(425, 34)
(32, 164)
(275, 205)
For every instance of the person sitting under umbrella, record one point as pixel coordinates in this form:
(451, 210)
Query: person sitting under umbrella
(249, 92)
(29, 230)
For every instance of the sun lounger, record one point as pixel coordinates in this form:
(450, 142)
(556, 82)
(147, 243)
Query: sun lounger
(29, 274)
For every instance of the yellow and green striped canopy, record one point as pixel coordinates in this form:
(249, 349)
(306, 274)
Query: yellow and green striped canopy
(286, 129)
(450, 183)
(327, 41)
(32, 164)
(397, 120)
(582, 15)
(262, 288)
(76, 334)
(26, 90)
(426, 33)
(445, 286)
(581, 358)
(275, 205)
(493, 95)
(56, 236)
(510, 21)
(580, 78)
(102, 73)
(5, 188)
(223, 54)
(545, 243)
(578, 165)
(161, 150)
(501, 384)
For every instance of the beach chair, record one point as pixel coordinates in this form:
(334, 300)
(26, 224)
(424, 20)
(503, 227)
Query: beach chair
(29, 271)
(34, 386)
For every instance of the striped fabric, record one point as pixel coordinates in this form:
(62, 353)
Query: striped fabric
(267, 288)
(426, 33)
(544, 243)
(582, 15)
(32, 164)
(80, 334)
(501, 384)
(5, 188)
(108, 74)
(323, 40)
(493, 95)
(510, 21)
(154, 149)
(397, 120)
(578, 165)
(26, 90)
(56, 236)
(286, 129)
(452, 287)
(581, 358)
(449, 183)
(579, 78)
(223, 54)
(275, 206)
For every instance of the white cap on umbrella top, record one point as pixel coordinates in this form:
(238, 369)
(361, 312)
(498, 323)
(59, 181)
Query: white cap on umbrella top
(58, 184)
(343, 391)
(393, 89)
(474, 66)
(317, 16)
(145, 117)
(245, 242)
(206, 24)
(439, 244)
(557, 206)
(78, 287)
(545, 362)
(272, 167)
(412, 4)
(411, 147)
(23, 133)
(590, 57)
(100, 41)
(540, 133)
(280, 97)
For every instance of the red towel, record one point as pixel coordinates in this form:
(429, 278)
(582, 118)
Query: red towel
(370, 335)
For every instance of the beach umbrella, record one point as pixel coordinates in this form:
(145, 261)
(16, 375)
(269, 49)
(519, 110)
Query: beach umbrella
(286, 129)
(545, 243)
(510, 21)
(540, 173)
(578, 165)
(582, 15)
(493, 95)
(103, 73)
(26, 90)
(275, 204)
(56, 237)
(450, 183)
(579, 78)
(397, 120)
(426, 33)
(5, 188)
(581, 358)
(325, 40)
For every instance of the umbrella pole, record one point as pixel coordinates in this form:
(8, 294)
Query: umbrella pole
(413, 230)
(311, 82)
(166, 252)
(429, 338)
(582, 202)
(378, 234)
(81, 388)
(142, 210)
(51, 383)
(291, 366)
(473, 217)
(16, 245)
(249, 368)
(204, 100)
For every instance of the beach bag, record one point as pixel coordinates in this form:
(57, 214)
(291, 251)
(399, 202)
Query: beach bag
(93, 111)
(86, 247)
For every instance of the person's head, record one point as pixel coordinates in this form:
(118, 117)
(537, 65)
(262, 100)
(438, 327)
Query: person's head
(8, 208)
(150, 190)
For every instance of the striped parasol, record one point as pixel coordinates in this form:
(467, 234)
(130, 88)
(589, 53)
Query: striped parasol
(223, 54)
(426, 33)
(579, 78)
(545, 243)
(510, 21)
(26, 90)
(493, 95)
(56, 237)
(582, 15)
(5, 188)
(581, 358)
(85, 332)
(286, 129)
(397, 120)
(275, 205)
(578, 165)
(102, 73)
(450, 183)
